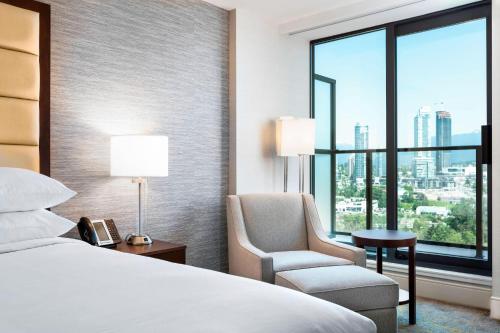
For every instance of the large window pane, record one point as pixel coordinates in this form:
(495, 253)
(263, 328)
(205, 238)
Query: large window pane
(441, 87)
(323, 189)
(350, 206)
(357, 64)
(439, 208)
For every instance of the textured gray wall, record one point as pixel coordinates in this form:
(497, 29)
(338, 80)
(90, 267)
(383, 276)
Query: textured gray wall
(144, 67)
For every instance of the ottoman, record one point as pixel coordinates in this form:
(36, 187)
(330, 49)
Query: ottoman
(359, 289)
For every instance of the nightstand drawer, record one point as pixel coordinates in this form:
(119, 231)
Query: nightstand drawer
(159, 250)
(174, 256)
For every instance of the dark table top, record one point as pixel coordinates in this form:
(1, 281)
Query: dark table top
(384, 238)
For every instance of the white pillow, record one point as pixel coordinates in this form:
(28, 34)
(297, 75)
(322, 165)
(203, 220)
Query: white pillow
(21, 226)
(24, 190)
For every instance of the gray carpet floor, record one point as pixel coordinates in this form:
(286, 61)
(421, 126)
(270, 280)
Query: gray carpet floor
(437, 317)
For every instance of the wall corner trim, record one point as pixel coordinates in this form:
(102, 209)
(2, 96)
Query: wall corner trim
(495, 307)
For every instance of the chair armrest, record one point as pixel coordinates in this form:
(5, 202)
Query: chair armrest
(319, 241)
(244, 258)
(328, 246)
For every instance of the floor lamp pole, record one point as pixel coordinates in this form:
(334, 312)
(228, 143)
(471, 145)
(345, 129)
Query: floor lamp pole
(285, 173)
(301, 173)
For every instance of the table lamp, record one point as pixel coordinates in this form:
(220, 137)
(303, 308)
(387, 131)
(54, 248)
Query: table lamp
(139, 157)
(295, 137)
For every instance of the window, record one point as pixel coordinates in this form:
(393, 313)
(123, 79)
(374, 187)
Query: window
(400, 110)
(349, 67)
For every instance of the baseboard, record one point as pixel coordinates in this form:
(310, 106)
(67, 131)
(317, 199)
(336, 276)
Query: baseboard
(495, 307)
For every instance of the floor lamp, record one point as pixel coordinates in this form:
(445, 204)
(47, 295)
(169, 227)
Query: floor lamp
(295, 137)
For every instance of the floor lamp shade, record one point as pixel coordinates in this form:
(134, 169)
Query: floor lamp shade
(139, 156)
(295, 136)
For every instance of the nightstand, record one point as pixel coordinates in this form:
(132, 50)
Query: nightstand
(159, 250)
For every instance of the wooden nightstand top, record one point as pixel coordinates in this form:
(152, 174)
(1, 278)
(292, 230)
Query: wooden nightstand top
(158, 247)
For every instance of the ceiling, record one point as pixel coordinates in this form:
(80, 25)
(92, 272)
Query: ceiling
(282, 11)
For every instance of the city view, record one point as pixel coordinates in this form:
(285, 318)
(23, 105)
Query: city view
(436, 189)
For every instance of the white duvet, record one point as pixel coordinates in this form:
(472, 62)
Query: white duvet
(63, 285)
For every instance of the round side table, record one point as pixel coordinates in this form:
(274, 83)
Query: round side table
(393, 239)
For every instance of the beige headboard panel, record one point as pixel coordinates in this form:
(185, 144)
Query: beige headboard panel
(19, 87)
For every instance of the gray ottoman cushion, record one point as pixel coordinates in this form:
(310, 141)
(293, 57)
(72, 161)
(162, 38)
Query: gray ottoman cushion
(290, 260)
(353, 287)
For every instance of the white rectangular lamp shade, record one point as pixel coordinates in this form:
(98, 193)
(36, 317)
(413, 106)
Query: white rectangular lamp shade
(295, 136)
(139, 156)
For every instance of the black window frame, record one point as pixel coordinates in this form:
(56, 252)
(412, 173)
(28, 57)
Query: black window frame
(439, 19)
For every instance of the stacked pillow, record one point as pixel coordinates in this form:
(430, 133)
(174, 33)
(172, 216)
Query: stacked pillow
(24, 197)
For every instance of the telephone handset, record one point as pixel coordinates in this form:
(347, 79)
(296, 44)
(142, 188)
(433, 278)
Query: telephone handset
(99, 232)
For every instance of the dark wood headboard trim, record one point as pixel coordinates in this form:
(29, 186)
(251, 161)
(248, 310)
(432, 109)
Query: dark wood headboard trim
(44, 10)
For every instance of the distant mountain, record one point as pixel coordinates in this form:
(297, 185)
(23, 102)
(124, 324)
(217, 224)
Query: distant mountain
(457, 156)
(466, 139)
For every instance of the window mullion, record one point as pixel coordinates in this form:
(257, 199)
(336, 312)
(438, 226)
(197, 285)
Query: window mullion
(391, 135)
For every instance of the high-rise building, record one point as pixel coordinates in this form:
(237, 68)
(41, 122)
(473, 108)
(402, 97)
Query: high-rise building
(421, 130)
(443, 138)
(423, 164)
(360, 143)
(351, 166)
(423, 167)
(379, 165)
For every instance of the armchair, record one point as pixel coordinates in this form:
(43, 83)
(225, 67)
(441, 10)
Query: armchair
(268, 233)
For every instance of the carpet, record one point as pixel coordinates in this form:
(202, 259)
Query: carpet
(437, 317)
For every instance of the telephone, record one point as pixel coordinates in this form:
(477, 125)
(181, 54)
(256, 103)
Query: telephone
(99, 232)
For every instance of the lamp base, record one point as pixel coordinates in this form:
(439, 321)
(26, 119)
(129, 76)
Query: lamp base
(134, 239)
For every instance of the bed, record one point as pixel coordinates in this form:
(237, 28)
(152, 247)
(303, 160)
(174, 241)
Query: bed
(65, 285)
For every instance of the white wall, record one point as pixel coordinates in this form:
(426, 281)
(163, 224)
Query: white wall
(269, 78)
(495, 299)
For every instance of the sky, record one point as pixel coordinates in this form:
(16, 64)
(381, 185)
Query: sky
(444, 66)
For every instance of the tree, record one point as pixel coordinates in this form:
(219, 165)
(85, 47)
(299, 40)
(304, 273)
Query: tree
(351, 222)
(443, 233)
(380, 194)
(463, 220)
(407, 197)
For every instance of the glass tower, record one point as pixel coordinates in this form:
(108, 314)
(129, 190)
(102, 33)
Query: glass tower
(360, 143)
(423, 165)
(421, 133)
(443, 139)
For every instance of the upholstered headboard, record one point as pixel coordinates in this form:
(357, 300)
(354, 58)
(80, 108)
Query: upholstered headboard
(25, 85)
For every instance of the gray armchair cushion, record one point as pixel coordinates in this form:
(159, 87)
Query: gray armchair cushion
(353, 287)
(290, 260)
(275, 221)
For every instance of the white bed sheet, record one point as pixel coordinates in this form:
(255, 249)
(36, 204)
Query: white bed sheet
(63, 285)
